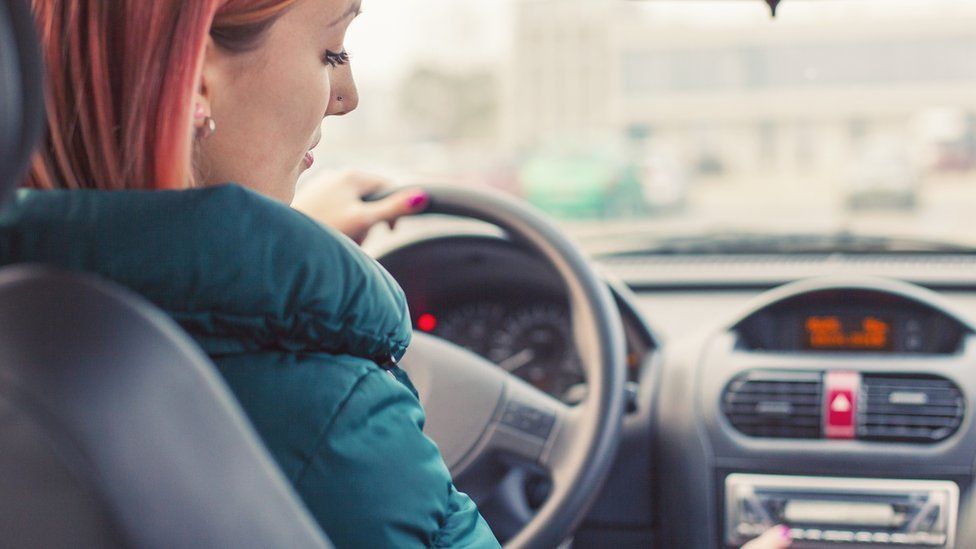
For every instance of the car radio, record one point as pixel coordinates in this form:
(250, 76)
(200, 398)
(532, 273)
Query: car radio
(827, 511)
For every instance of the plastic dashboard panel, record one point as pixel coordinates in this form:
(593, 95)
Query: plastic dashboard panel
(699, 448)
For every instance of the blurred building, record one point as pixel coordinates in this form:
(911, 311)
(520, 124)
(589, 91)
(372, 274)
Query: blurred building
(734, 93)
(561, 80)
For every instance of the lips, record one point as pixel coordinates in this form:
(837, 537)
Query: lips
(309, 158)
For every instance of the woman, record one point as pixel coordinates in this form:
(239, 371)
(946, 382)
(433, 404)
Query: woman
(187, 96)
(176, 95)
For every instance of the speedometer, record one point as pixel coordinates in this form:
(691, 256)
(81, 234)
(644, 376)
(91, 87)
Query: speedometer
(535, 343)
(471, 326)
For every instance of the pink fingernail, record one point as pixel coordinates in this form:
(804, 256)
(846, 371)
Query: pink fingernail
(784, 532)
(417, 200)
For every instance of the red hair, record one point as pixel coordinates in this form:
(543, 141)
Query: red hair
(120, 80)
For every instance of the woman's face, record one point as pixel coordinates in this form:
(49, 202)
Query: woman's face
(268, 103)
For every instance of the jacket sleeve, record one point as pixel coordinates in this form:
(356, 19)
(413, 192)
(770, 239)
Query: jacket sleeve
(377, 481)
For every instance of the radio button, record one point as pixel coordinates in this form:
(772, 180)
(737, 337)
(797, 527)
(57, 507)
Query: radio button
(930, 539)
(899, 538)
(797, 533)
(863, 536)
(813, 534)
(881, 537)
(748, 530)
(838, 535)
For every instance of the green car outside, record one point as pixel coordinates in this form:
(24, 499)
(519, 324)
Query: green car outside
(581, 187)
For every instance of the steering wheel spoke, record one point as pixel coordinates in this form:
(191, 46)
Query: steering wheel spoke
(539, 429)
(475, 408)
(527, 422)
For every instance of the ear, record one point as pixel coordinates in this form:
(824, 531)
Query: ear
(207, 82)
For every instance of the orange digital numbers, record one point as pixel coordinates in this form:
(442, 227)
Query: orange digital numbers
(830, 332)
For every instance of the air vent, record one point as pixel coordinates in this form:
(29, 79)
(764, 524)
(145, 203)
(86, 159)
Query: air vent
(775, 404)
(909, 408)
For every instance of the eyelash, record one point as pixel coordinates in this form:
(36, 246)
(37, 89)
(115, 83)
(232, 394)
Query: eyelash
(332, 58)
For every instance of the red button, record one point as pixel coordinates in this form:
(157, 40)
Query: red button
(840, 404)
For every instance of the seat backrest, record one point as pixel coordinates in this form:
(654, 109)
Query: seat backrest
(21, 97)
(115, 429)
(122, 432)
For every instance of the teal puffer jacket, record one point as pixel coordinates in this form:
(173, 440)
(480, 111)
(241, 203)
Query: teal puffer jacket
(298, 320)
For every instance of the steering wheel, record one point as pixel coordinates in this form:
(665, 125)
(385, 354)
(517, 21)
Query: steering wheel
(477, 412)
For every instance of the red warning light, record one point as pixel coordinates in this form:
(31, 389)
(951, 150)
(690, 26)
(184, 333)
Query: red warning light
(427, 322)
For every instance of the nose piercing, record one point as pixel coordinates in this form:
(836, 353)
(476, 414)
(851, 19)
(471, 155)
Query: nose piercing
(339, 98)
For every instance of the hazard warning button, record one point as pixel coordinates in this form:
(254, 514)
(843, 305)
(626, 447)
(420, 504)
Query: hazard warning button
(840, 404)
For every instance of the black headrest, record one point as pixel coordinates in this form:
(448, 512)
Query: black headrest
(21, 92)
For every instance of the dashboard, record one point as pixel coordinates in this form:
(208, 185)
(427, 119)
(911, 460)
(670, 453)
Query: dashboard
(840, 406)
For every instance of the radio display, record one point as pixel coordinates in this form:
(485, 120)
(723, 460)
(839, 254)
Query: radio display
(847, 333)
(853, 513)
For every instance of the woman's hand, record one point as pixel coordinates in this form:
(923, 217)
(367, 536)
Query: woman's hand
(777, 537)
(337, 201)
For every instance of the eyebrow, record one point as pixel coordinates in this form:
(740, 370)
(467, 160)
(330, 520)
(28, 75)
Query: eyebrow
(354, 9)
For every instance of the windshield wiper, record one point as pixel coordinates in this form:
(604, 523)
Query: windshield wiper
(764, 243)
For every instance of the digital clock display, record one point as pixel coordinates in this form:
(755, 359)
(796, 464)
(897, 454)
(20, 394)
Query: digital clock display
(847, 333)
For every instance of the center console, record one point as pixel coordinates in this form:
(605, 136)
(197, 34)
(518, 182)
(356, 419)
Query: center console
(840, 408)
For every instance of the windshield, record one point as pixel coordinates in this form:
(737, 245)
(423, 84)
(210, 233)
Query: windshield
(632, 122)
